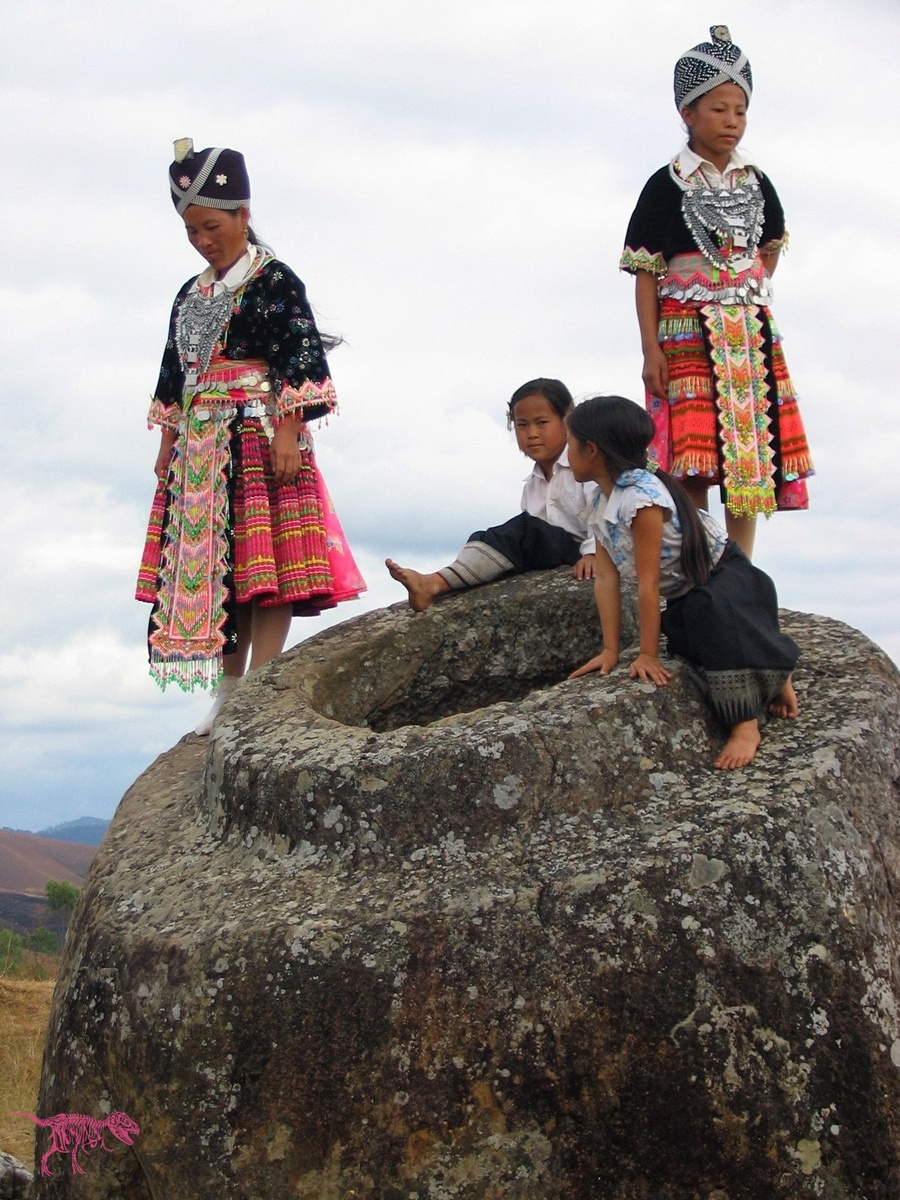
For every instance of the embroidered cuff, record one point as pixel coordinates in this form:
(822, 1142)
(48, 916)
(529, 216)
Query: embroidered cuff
(167, 415)
(642, 260)
(774, 244)
(310, 400)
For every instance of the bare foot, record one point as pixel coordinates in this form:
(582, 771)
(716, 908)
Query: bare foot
(422, 588)
(785, 703)
(741, 746)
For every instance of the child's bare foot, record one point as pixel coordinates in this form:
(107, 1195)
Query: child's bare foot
(741, 746)
(422, 588)
(785, 703)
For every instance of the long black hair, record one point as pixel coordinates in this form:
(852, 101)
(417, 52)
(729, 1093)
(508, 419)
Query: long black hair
(622, 430)
(330, 341)
(554, 392)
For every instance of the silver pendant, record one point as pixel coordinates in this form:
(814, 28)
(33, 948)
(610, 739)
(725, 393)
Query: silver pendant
(200, 323)
(734, 215)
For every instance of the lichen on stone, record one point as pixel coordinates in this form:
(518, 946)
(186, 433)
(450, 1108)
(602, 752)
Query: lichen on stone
(427, 920)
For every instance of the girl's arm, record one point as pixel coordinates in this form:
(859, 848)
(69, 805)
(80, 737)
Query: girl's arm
(647, 531)
(773, 236)
(656, 371)
(283, 330)
(166, 443)
(607, 593)
(284, 451)
(770, 258)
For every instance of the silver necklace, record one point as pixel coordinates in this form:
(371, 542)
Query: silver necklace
(733, 214)
(199, 325)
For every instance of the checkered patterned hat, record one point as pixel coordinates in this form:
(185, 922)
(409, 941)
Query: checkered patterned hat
(704, 67)
(213, 178)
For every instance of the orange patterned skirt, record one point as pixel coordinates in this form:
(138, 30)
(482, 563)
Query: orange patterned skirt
(732, 416)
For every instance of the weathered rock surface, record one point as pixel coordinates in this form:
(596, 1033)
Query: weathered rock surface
(426, 922)
(15, 1178)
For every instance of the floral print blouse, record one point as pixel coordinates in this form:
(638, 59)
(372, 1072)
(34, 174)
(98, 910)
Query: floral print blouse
(609, 519)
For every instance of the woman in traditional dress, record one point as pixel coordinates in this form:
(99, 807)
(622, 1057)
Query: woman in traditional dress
(702, 244)
(242, 533)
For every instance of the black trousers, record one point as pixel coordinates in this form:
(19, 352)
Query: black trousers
(531, 544)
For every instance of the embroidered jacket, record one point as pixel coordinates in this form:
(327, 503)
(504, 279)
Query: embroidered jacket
(610, 521)
(657, 231)
(271, 320)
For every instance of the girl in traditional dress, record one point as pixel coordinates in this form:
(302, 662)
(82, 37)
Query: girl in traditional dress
(242, 534)
(548, 532)
(702, 244)
(721, 612)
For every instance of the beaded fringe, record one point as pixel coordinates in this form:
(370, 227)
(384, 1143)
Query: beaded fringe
(186, 673)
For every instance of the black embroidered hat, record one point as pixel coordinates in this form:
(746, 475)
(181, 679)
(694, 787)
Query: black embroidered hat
(213, 178)
(704, 67)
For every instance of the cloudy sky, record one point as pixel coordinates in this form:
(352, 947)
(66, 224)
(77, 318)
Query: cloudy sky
(453, 182)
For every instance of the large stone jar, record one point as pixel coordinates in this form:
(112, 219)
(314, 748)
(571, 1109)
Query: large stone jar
(425, 921)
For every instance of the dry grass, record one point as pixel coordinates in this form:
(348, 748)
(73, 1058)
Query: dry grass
(24, 1014)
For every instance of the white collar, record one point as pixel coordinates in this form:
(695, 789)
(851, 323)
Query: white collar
(562, 461)
(690, 162)
(234, 276)
(609, 508)
(613, 506)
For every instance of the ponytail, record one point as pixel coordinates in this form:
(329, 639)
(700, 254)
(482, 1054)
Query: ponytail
(696, 560)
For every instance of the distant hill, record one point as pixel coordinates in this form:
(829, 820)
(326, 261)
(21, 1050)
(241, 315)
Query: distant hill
(29, 861)
(87, 831)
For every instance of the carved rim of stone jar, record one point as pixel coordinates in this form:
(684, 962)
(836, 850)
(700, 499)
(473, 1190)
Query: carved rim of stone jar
(395, 727)
(363, 721)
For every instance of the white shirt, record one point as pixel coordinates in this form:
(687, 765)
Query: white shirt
(560, 500)
(690, 162)
(234, 276)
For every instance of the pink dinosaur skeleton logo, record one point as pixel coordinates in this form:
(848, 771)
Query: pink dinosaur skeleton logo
(71, 1132)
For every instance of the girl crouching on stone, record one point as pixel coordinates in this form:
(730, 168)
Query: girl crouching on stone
(721, 612)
